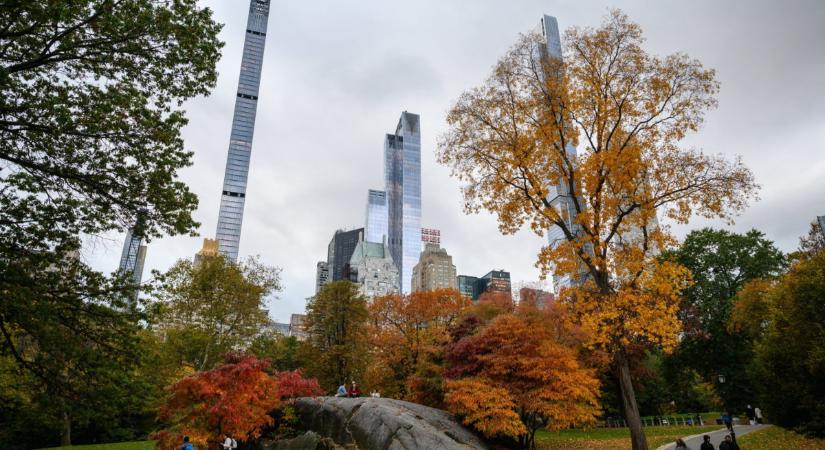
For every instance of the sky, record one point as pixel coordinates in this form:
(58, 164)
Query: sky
(337, 75)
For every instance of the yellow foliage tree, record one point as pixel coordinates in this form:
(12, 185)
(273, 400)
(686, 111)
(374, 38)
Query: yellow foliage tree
(484, 407)
(590, 144)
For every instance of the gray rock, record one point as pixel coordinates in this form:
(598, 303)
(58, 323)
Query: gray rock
(307, 441)
(384, 424)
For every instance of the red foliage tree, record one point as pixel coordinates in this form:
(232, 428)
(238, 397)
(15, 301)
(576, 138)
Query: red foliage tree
(234, 398)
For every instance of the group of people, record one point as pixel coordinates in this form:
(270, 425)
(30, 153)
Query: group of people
(353, 391)
(728, 444)
(228, 443)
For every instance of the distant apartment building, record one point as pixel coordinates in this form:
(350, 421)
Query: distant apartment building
(210, 249)
(467, 286)
(339, 252)
(492, 281)
(435, 270)
(536, 297)
(296, 326)
(372, 268)
(821, 220)
(133, 256)
(321, 275)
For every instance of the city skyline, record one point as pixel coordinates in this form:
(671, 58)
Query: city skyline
(315, 182)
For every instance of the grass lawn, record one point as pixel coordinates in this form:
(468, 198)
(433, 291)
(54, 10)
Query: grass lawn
(611, 438)
(775, 438)
(137, 445)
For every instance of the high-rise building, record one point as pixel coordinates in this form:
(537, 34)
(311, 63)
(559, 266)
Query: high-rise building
(402, 171)
(133, 256)
(435, 270)
(297, 326)
(494, 281)
(375, 229)
(372, 268)
(321, 275)
(430, 236)
(467, 286)
(340, 251)
(233, 196)
(537, 297)
(560, 197)
(208, 250)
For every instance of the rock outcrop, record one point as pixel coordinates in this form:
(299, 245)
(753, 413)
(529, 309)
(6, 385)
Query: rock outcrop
(383, 424)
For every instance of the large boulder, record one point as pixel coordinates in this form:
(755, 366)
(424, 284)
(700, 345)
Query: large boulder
(384, 424)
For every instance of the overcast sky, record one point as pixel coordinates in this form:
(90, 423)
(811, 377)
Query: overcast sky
(337, 74)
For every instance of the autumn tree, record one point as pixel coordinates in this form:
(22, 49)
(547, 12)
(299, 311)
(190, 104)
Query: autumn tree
(407, 334)
(589, 144)
(213, 306)
(234, 398)
(335, 350)
(533, 359)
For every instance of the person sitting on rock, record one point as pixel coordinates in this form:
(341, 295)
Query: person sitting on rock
(342, 390)
(353, 390)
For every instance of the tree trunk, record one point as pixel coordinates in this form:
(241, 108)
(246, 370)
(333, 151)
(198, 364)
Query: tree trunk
(631, 410)
(66, 431)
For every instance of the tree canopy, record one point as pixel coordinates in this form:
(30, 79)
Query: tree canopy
(625, 111)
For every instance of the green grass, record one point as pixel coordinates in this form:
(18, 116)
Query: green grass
(612, 438)
(137, 445)
(775, 438)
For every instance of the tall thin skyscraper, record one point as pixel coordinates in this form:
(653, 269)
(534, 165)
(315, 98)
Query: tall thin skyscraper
(377, 216)
(402, 171)
(233, 196)
(133, 256)
(560, 196)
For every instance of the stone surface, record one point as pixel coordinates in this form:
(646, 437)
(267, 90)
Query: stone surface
(307, 441)
(384, 424)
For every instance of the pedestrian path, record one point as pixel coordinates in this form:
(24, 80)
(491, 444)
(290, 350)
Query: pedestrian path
(716, 437)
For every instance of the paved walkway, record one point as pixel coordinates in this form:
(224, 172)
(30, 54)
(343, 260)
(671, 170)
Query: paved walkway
(716, 437)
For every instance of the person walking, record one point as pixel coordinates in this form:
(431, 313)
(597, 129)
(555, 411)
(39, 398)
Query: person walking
(706, 445)
(229, 443)
(680, 445)
(729, 444)
(758, 413)
(727, 420)
(186, 444)
(751, 415)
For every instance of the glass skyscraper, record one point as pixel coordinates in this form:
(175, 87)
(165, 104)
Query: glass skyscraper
(133, 256)
(377, 217)
(560, 196)
(243, 125)
(402, 173)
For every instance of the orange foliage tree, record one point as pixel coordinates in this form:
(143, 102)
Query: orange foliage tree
(589, 144)
(531, 362)
(234, 398)
(407, 334)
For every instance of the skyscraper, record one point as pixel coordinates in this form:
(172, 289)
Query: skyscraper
(402, 171)
(372, 268)
(377, 216)
(560, 196)
(233, 196)
(133, 256)
(321, 275)
(435, 270)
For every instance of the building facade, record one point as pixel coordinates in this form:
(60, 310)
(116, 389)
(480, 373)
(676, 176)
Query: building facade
(435, 270)
(467, 286)
(321, 275)
(372, 268)
(536, 297)
(402, 173)
(375, 228)
(339, 252)
(133, 256)
(821, 220)
(233, 196)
